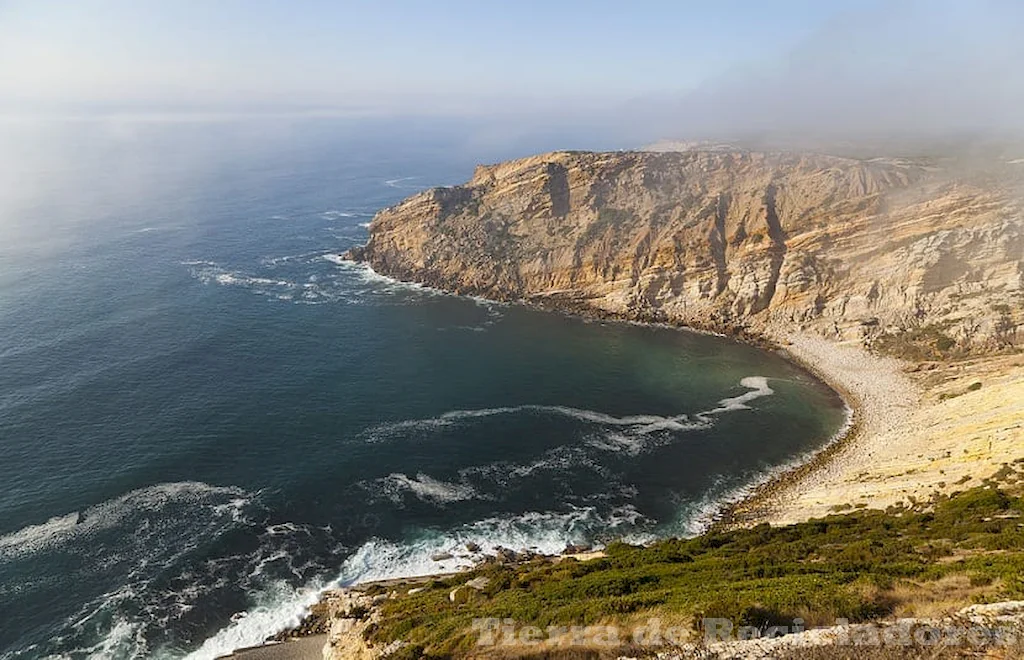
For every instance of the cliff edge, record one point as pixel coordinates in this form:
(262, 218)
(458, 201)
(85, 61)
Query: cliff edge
(885, 249)
(846, 263)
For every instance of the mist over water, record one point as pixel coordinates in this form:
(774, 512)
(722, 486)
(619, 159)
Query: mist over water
(207, 416)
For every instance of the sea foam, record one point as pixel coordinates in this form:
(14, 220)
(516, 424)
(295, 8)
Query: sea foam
(60, 530)
(424, 487)
(630, 425)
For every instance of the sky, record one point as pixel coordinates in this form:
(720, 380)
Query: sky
(441, 54)
(708, 67)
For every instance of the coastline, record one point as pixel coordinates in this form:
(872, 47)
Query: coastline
(881, 400)
(767, 502)
(903, 427)
(920, 431)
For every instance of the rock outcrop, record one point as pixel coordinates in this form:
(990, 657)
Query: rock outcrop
(730, 241)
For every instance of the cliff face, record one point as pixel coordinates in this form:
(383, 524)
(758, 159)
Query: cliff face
(866, 250)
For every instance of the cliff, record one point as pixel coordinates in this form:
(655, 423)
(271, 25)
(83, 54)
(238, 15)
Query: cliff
(900, 252)
(922, 258)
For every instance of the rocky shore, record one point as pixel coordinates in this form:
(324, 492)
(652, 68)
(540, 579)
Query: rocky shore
(335, 627)
(900, 283)
(896, 449)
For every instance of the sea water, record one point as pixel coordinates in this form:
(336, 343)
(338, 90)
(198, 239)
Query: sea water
(207, 415)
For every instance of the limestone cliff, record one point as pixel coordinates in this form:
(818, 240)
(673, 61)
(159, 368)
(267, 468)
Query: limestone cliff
(728, 240)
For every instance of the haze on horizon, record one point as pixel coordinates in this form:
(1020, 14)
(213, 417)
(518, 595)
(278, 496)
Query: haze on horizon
(648, 70)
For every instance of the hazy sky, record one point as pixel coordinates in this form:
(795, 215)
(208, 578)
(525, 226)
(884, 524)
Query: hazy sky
(438, 54)
(708, 66)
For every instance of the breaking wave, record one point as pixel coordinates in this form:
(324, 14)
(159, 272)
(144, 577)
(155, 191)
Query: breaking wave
(396, 486)
(400, 182)
(281, 606)
(140, 559)
(433, 551)
(312, 278)
(224, 503)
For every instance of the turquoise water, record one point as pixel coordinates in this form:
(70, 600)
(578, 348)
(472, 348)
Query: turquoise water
(206, 415)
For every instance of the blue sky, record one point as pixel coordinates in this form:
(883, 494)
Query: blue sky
(378, 54)
(694, 68)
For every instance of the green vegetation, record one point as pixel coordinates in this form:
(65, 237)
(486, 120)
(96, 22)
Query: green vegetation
(928, 342)
(973, 387)
(860, 565)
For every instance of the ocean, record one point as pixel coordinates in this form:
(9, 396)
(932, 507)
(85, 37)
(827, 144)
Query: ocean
(207, 416)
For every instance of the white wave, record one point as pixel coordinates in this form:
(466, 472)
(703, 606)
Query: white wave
(353, 283)
(209, 272)
(281, 607)
(634, 435)
(123, 640)
(397, 183)
(697, 517)
(381, 283)
(560, 460)
(284, 529)
(276, 605)
(149, 230)
(364, 225)
(758, 386)
(619, 442)
(432, 552)
(288, 258)
(237, 279)
(350, 283)
(60, 530)
(335, 259)
(545, 532)
(334, 215)
(424, 487)
(637, 424)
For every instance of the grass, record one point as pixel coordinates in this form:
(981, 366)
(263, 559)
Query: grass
(860, 566)
(928, 342)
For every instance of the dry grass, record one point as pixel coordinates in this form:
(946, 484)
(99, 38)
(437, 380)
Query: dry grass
(939, 598)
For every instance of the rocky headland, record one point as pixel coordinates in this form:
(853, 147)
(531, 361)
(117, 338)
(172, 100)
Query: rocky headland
(900, 281)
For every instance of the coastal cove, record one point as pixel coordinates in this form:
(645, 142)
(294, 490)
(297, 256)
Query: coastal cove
(498, 331)
(896, 280)
(209, 416)
(883, 402)
(742, 243)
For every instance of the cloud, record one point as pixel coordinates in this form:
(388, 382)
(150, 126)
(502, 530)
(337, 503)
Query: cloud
(907, 68)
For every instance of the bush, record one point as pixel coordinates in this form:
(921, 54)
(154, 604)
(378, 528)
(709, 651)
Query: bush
(843, 566)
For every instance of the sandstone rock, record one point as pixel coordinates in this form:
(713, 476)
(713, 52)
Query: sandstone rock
(990, 613)
(727, 240)
(461, 595)
(479, 583)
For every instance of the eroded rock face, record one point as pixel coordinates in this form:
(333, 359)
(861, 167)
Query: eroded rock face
(726, 240)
